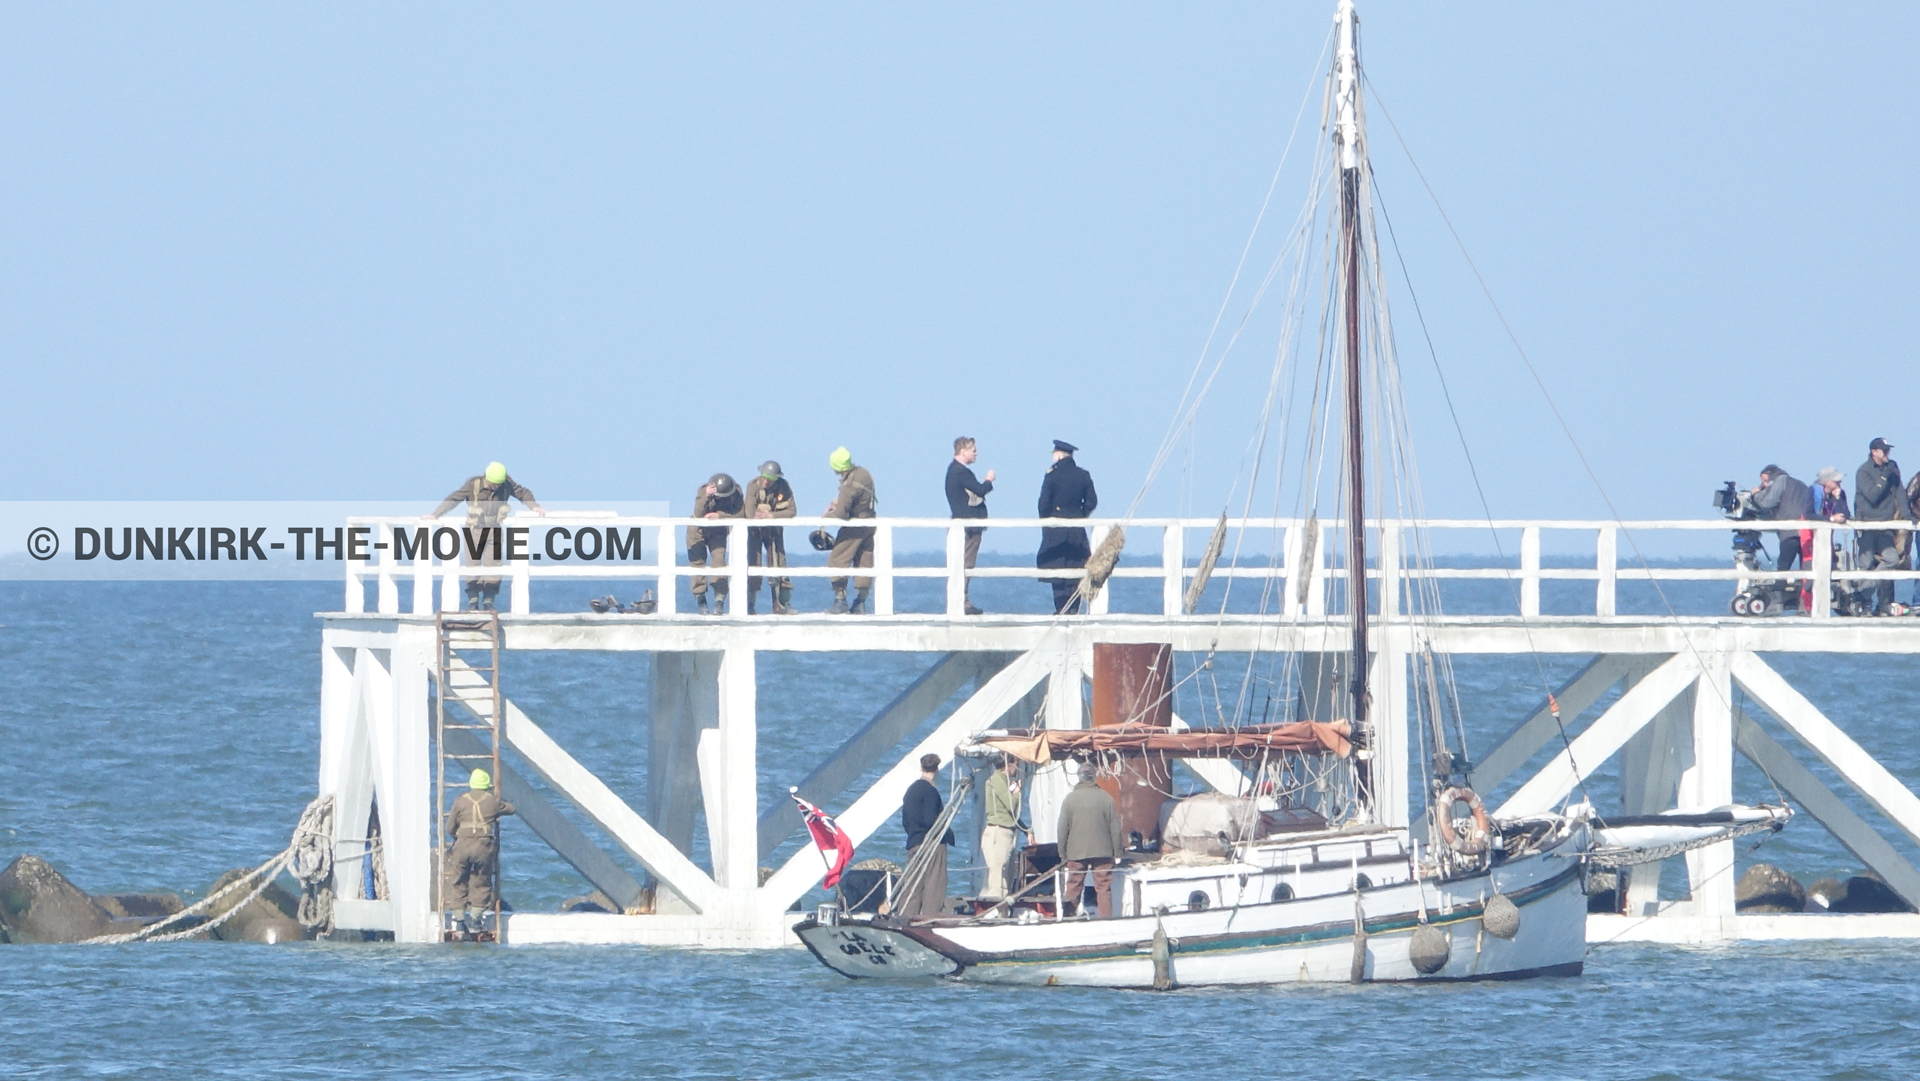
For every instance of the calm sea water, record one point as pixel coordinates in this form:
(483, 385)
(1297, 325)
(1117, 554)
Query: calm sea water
(155, 735)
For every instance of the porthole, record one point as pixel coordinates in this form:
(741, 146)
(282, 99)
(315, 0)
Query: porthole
(1197, 901)
(1282, 892)
(1362, 882)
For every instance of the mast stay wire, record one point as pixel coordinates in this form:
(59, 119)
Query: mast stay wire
(1486, 507)
(1188, 407)
(1552, 405)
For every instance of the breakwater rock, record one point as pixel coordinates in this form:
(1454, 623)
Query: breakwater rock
(268, 918)
(39, 904)
(1766, 888)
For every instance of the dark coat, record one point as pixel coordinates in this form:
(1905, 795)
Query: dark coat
(1878, 495)
(1066, 493)
(1784, 499)
(966, 493)
(919, 811)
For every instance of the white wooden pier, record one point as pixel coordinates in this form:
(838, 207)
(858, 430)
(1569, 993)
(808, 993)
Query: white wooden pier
(1672, 734)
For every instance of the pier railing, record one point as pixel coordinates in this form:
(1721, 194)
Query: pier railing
(433, 556)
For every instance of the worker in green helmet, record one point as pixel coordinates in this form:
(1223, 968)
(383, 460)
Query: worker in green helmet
(486, 498)
(474, 858)
(853, 545)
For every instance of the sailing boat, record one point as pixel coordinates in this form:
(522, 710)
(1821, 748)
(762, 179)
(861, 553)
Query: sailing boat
(1306, 881)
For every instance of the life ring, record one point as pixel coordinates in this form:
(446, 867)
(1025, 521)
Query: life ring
(1482, 828)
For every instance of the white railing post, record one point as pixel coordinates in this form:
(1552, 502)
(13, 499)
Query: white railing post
(736, 566)
(520, 581)
(1316, 581)
(1173, 571)
(389, 587)
(956, 569)
(666, 589)
(423, 578)
(450, 585)
(1530, 571)
(1099, 605)
(1389, 570)
(356, 590)
(883, 570)
(1606, 560)
(1822, 571)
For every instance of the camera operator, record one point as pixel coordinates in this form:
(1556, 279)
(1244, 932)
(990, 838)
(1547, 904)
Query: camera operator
(1781, 498)
(1880, 498)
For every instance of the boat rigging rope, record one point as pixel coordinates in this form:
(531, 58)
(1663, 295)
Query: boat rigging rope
(309, 853)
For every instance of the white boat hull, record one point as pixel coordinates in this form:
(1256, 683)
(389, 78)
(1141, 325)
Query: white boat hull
(1308, 940)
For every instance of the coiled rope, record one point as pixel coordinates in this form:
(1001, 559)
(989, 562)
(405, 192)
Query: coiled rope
(309, 857)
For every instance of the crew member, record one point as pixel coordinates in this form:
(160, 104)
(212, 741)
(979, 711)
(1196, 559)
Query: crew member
(1781, 498)
(473, 823)
(769, 496)
(1089, 839)
(719, 498)
(1879, 497)
(918, 813)
(1003, 817)
(853, 545)
(967, 498)
(1067, 492)
(486, 499)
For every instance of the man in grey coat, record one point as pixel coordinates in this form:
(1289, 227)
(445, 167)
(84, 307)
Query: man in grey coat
(1089, 839)
(1879, 497)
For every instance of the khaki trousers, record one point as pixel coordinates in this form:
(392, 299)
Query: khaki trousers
(698, 555)
(767, 547)
(852, 547)
(996, 848)
(471, 863)
(1102, 883)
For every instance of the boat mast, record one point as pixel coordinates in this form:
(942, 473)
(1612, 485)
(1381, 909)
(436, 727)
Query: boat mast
(1352, 157)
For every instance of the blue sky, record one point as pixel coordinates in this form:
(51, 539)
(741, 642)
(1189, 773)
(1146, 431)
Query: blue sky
(357, 251)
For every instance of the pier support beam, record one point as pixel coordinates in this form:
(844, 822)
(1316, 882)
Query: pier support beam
(1708, 782)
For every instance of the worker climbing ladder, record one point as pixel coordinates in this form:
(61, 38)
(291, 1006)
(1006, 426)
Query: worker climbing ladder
(467, 737)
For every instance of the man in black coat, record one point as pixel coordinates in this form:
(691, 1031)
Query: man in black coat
(918, 813)
(1066, 493)
(967, 498)
(1879, 497)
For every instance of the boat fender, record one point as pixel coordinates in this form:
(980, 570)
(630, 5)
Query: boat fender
(1474, 843)
(1430, 949)
(1501, 917)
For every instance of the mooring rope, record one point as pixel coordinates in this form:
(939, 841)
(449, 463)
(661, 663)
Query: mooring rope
(309, 854)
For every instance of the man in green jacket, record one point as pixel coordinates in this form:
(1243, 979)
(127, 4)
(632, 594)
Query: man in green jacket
(1089, 838)
(486, 498)
(1003, 817)
(852, 545)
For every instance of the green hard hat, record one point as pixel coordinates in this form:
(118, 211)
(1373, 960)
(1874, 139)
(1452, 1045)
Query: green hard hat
(841, 460)
(496, 472)
(480, 781)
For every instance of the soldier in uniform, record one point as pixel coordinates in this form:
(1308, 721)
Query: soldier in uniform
(473, 823)
(486, 499)
(769, 496)
(853, 546)
(719, 498)
(1067, 492)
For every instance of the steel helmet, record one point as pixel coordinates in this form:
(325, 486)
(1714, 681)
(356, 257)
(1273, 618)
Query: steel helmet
(722, 484)
(480, 781)
(770, 468)
(841, 460)
(496, 473)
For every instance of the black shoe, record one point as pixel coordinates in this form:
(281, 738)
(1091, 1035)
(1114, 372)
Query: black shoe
(859, 604)
(839, 604)
(700, 604)
(972, 610)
